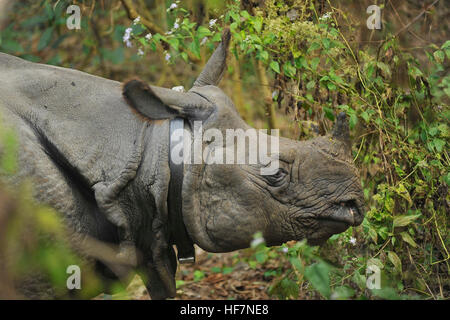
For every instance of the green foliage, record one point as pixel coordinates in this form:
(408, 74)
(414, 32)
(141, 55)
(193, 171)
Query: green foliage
(33, 237)
(8, 150)
(402, 141)
(185, 38)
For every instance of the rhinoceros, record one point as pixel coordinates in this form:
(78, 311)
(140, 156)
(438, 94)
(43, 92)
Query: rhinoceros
(98, 151)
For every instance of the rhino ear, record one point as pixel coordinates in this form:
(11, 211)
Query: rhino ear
(160, 103)
(144, 101)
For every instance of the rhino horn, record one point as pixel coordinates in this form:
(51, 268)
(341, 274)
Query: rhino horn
(341, 130)
(213, 71)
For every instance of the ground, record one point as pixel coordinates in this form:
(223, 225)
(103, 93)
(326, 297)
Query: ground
(203, 280)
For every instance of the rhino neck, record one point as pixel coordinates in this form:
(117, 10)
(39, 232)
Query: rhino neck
(192, 216)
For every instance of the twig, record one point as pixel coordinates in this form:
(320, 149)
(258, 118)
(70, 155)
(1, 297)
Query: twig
(416, 18)
(401, 21)
(267, 95)
(133, 14)
(153, 28)
(415, 266)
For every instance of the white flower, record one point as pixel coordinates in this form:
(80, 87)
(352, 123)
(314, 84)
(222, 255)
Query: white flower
(326, 16)
(285, 249)
(140, 52)
(257, 241)
(204, 41)
(137, 20)
(179, 89)
(352, 241)
(148, 36)
(212, 22)
(168, 56)
(169, 32)
(127, 34)
(274, 95)
(176, 25)
(173, 6)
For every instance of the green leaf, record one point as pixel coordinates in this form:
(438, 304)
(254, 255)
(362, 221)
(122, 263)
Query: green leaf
(227, 270)
(439, 56)
(414, 72)
(446, 45)
(360, 280)
(264, 55)
(275, 66)
(319, 277)
(195, 48)
(311, 85)
(295, 261)
(373, 234)
(353, 120)
(401, 221)
(8, 159)
(329, 113)
(403, 192)
(174, 43)
(375, 261)
(216, 269)
(331, 86)
(326, 43)
(393, 257)
(290, 288)
(447, 178)
(438, 144)
(386, 293)
(184, 56)
(257, 24)
(198, 275)
(45, 39)
(203, 32)
(289, 70)
(179, 283)
(384, 67)
(300, 62)
(261, 256)
(245, 14)
(343, 292)
(315, 63)
(365, 116)
(12, 46)
(407, 238)
(313, 46)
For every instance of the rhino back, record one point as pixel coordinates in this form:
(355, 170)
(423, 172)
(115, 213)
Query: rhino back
(87, 123)
(83, 115)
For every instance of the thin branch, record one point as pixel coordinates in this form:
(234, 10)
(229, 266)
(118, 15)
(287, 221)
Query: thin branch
(153, 28)
(416, 18)
(133, 14)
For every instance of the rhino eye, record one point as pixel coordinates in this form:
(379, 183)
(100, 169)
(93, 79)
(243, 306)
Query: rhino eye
(277, 179)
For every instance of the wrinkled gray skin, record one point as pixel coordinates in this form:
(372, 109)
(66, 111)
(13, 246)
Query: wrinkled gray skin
(98, 153)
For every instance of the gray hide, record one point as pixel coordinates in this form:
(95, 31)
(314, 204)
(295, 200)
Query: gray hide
(99, 154)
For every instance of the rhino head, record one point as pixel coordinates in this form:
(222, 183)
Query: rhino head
(314, 193)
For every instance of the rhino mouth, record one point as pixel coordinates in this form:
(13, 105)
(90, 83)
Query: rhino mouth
(345, 212)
